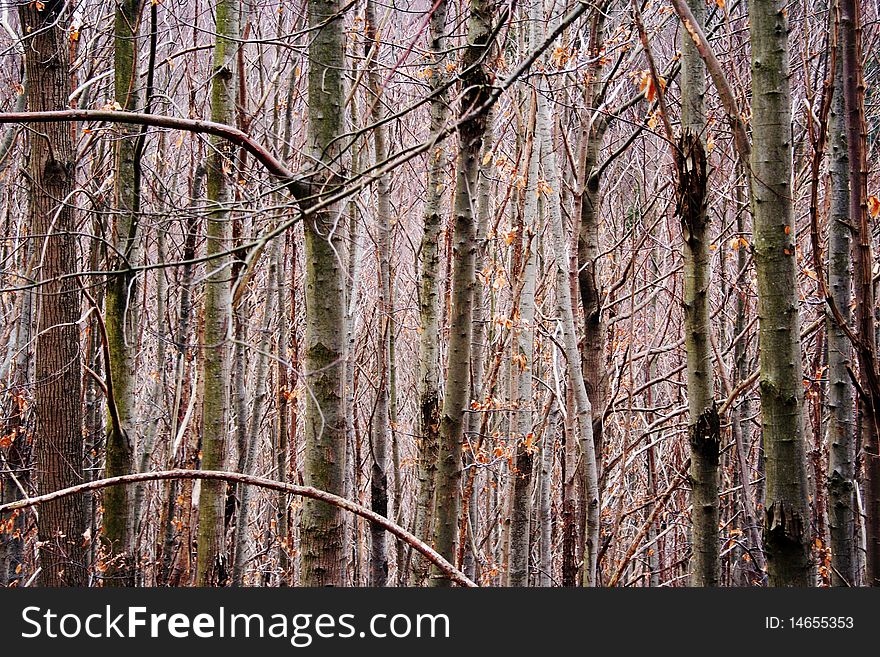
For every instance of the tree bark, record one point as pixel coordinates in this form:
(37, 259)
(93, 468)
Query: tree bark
(212, 564)
(476, 92)
(841, 421)
(118, 519)
(251, 455)
(704, 428)
(593, 127)
(863, 277)
(380, 426)
(429, 296)
(583, 407)
(522, 345)
(58, 443)
(786, 524)
(323, 526)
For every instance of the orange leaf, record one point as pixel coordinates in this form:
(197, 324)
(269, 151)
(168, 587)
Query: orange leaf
(873, 206)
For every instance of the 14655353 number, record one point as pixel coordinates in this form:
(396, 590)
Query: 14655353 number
(821, 622)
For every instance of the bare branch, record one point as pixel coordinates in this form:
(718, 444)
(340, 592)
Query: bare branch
(302, 491)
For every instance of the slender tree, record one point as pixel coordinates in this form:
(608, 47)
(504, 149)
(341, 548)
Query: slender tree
(704, 430)
(380, 423)
(429, 292)
(841, 420)
(323, 526)
(212, 559)
(522, 361)
(863, 276)
(249, 459)
(565, 313)
(118, 521)
(475, 95)
(594, 125)
(787, 518)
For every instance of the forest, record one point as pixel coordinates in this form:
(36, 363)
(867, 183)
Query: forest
(507, 293)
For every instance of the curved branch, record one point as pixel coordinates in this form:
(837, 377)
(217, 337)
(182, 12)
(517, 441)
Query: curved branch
(302, 491)
(297, 186)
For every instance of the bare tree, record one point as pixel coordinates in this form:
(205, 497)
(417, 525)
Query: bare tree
(58, 446)
(322, 561)
(786, 523)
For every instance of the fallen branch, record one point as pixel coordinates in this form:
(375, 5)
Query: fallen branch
(302, 491)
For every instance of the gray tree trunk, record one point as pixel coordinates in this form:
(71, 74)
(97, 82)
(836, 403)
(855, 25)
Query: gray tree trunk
(475, 94)
(863, 277)
(249, 463)
(841, 420)
(380, 427)
(429, 298)
(704, 429)
(470, 561)
(212, 559)
(787, 517)
(118, 519)
(545, 498)
(323, 525)
(583, 408)
(522, 346)
(593, 127)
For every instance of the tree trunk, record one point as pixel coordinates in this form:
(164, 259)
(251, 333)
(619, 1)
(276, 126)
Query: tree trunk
(583, 408)
(704, 428)
(380, 427)
(593, 128)
(863, 276)
(212, 559)
(58, 443)
(17, 454)
(475, 94)
(786, 525)
(545, 498)
(475, 482)
(323, 526)
(429, 298)
(249, 465)
(284, 424)
(522, 345)
(118, 520)
(841, 420)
